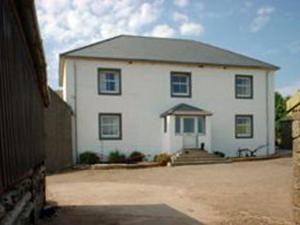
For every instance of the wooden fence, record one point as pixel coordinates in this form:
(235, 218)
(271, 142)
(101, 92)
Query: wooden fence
(21, 102)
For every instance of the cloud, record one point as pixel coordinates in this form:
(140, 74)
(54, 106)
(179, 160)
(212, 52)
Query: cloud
(181, 3)
(290, 89)
(263, 16)
(179, 17)
(190, 28)
(163, 30)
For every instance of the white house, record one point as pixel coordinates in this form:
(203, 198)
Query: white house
(162, 95)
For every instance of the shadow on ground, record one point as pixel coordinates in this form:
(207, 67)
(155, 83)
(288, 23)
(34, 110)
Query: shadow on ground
(120, 215)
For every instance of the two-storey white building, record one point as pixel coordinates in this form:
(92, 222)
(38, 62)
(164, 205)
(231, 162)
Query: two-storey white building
(161, 95)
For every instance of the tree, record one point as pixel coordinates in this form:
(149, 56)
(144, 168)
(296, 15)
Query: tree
(280, 113)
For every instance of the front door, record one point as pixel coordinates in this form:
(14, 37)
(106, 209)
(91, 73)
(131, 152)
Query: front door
(189, 132)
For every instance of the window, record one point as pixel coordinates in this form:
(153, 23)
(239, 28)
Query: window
(188, 125)
(109, 81)
(201, 125)
(165, 124)
(243, 86)
(110, 126)
(180, 84)
(244, 126)
(177, 125)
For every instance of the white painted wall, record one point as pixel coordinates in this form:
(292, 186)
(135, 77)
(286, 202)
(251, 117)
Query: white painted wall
(146, 94)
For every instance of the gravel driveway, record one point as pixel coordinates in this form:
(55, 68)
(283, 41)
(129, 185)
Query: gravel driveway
(246, 193)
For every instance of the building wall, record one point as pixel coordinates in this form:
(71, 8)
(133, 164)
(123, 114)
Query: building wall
(293, 100)
(146, 94)
(58, 141)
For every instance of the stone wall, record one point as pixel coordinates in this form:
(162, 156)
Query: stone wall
(296, 156)
(22, 204)
(58, 134)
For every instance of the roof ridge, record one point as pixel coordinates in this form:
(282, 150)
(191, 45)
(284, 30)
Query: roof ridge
(152, 37)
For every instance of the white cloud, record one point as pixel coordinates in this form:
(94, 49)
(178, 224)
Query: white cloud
(181, 3)
(263, 16)
(146, 14)
(290, 89)
(179, 17)
(163, 30)
(190, 28)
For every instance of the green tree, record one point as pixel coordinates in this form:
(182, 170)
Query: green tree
(280, 113)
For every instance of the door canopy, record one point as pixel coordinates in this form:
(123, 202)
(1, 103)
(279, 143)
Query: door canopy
(186, 110)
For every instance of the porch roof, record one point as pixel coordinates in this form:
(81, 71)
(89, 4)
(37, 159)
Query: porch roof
(185, 110)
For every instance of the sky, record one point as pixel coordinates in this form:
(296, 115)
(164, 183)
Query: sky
(268, 30)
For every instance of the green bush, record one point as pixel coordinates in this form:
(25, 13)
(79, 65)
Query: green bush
(135, 157)
(116, 157)
(162, 158)
(221, 154)
(88, 158)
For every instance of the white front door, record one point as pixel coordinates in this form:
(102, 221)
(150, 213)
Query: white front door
(189, 132)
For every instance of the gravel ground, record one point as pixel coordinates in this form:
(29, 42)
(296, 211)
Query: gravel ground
(246, 193)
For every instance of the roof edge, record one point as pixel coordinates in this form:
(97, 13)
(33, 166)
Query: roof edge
(274, 68)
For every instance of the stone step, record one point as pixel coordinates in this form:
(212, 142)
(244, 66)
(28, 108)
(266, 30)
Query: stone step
(198, 159)
(199, 156)
(183, 163)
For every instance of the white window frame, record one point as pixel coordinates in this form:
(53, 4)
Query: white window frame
(248, 86)
(196, 128)
(102, 81)
(187, 83)
(117, 125)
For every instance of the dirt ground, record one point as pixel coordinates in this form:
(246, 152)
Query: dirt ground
(246, 193)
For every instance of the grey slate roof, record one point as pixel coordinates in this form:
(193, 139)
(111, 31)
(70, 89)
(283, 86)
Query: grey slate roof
(127, 47)
(185, 109)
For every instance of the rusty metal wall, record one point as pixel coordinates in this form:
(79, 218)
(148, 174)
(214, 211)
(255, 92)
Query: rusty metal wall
(21, 106)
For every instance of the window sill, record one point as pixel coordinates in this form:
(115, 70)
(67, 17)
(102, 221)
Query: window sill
(180, 96)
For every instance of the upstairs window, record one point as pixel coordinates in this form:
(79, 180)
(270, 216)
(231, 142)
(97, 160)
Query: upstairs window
(244, 126)
(243, 86)
(180, 84)
(110, 126)
(109, 81)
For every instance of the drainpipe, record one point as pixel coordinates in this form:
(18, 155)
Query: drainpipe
(75, 109)
(267, 112)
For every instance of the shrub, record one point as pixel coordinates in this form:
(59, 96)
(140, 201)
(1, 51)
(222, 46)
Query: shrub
(116, 157)
(162, 158)
(88, 158)
(135, 157)
(221, 154)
